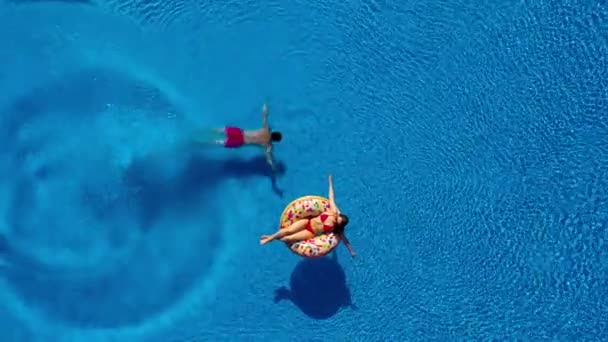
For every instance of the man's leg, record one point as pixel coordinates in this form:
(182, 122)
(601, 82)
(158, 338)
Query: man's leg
(215, 136)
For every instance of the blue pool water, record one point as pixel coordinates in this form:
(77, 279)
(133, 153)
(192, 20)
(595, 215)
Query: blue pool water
(468, 143)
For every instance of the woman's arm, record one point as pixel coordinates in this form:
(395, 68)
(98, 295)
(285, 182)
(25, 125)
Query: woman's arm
(332, 200)
(347, 244)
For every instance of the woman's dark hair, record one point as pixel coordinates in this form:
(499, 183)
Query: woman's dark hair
(339, 227)
(276, 136)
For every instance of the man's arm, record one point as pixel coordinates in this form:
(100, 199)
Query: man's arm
(265, 116)
(269, 156)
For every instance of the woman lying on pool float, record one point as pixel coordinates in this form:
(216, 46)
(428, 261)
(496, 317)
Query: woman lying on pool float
(331, 220)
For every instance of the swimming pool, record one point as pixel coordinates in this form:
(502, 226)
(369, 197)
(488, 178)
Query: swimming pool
(468, 144)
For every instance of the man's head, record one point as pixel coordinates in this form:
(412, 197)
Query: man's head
(276, 136)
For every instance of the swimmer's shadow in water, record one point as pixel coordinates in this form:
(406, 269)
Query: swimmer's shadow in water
(157, 192)
(243, 168)
(317, 287)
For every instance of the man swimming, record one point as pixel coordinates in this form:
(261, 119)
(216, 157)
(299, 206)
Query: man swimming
(233, 137)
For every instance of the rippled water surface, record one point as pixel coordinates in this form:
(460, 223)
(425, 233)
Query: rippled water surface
(468, 143)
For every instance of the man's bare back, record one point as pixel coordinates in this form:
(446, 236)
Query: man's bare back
(260, 136)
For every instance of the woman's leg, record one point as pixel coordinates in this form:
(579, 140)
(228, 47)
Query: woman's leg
(293, 229)
(299, 236)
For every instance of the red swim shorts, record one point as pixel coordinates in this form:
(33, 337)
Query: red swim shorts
(235, 137)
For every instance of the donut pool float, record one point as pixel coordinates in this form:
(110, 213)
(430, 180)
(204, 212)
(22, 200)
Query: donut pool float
(308, 207)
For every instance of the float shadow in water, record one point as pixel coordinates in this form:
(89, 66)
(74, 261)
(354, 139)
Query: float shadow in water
(317, 287)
